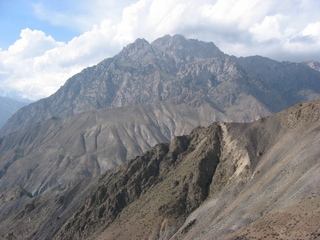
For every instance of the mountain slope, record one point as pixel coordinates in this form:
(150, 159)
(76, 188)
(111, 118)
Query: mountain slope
(204, 185)
(187, 70)
(295, 82)
(59, 152)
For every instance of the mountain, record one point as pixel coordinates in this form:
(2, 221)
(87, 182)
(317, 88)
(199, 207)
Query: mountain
(172, 67)
(147, 94)
(226, 181)
(139, 74)
(8, 107)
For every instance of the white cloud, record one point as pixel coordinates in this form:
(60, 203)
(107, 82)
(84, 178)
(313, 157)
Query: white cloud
(32, 44)
(312, 29)
(305, 43)
(36, 64)
(268, 29)
(128, 28)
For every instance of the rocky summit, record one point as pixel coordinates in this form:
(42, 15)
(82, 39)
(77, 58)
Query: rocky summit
(227, 181)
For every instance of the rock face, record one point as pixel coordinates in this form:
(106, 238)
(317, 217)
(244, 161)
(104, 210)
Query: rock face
(227, 181)
(295, 82)
(188, 71)
(314, 65)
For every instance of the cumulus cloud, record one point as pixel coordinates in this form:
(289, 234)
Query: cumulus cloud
(36, 64)
(268, 29)
(27, 68)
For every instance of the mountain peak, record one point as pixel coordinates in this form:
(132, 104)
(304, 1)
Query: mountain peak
(168, 39)
(187, 49)
(139, 43)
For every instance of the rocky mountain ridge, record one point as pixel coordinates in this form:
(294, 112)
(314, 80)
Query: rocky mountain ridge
(226, 181)
(173, 67)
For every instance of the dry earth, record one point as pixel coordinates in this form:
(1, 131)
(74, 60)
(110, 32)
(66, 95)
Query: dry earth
(228, 181)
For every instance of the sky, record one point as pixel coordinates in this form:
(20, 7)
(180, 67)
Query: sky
(45, 42)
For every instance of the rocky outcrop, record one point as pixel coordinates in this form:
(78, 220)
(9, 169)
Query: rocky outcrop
(314, 65)
(11, 199)
(224, 181)
(44, 215)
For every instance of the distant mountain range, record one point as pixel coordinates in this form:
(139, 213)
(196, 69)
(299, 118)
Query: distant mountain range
(227, 181)
(148, 93)
(8, 107)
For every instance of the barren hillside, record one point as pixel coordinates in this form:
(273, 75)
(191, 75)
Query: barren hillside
(229, 180)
